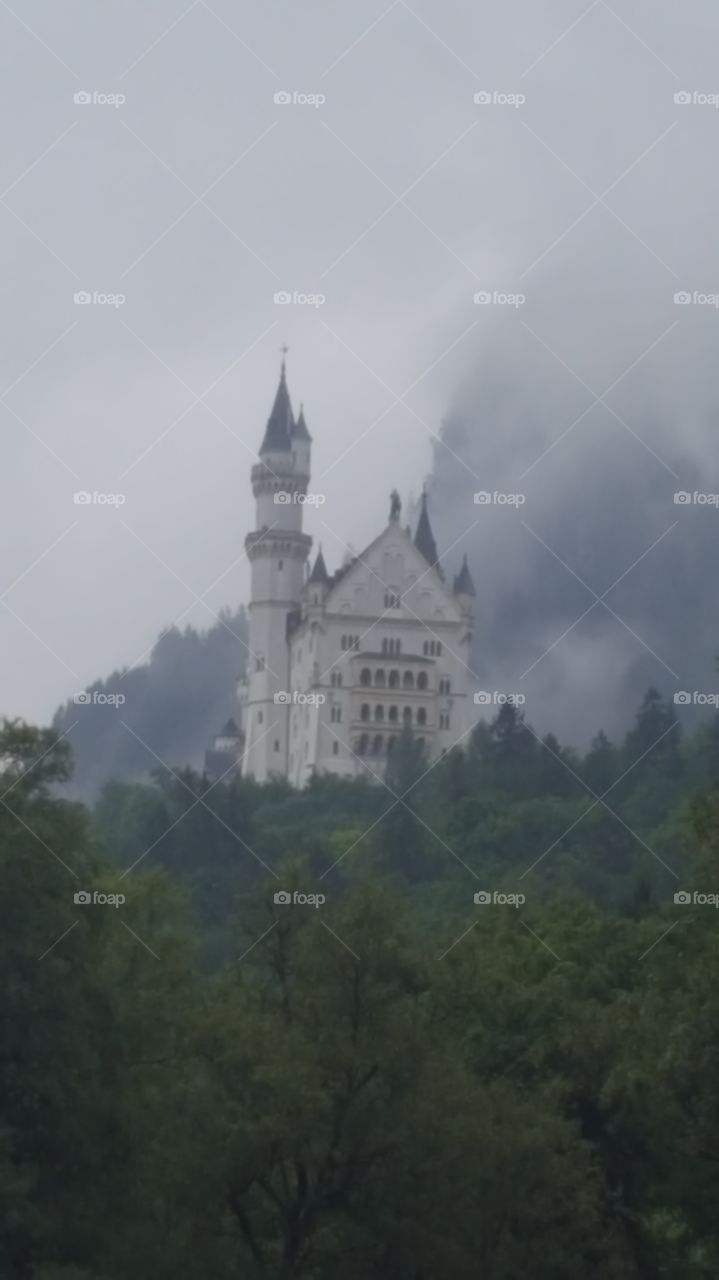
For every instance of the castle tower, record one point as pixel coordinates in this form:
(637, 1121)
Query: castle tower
(277, 551)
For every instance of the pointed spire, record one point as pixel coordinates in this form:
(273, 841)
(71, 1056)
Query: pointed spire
(299, 431)
(463, 584)
(424, 538)
(319, 572)
(281, 422)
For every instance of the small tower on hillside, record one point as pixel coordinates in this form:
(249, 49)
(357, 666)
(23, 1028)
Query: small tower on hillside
(277, 551)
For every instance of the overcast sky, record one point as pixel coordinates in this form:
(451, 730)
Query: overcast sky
(396, 199)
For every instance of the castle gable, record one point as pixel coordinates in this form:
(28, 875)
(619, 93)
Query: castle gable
(392, 576)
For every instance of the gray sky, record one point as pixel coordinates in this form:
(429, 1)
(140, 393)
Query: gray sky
(397, 199)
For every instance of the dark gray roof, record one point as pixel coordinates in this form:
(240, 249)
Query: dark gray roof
(319, 572)
(424, 538)
(280, 423)
(463, 584)
(299, 431)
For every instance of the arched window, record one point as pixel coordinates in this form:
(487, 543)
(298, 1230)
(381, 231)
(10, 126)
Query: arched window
(421, 716)
(362, 745)
(379, 678)
(425, 648)
(379, 712)
(408, 680)
(385, 645)
(422, 680)
(394, 679)
(407, 715)
(393, 715)
(364, 711)
(365, 676)
(377, 745)
(390, 743)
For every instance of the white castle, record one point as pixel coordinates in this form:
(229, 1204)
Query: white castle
(339, 664)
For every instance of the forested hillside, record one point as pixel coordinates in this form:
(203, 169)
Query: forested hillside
(173, 704)
(380, 1077)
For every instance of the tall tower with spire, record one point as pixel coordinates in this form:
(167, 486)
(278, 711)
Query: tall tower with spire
(277, 551)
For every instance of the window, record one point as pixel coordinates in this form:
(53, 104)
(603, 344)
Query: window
(444, 720)
(393, 715)
(390, 743)
(391, 600)
(394, 679)
(362, 745)
(379, 678)
(379, 712)
(335, 714)
(407, 715)
(364, 711)
(260, 717)
(377, 745)
(350, 642)
(422, 680)
(335, 748)
(444, 686)
(365, 676)
(432, 648)
(421, 716)
(390, 646)
(277, 744)
(336, 679)
(408, 680)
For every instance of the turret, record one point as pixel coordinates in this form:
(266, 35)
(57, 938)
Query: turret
(277, 551)
(464, 588)
(424, 538)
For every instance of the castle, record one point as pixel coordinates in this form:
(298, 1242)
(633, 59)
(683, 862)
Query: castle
(339, 664)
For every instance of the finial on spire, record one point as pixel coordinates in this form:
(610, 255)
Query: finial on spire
(395, 506)
(284, 349)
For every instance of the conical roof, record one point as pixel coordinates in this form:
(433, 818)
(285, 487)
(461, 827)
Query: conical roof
(424, 538)
(463, 584)
(299, 431)
(280, 423)
(319, 572)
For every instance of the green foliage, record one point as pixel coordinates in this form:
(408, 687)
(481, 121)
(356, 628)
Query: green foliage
(387, 1079)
